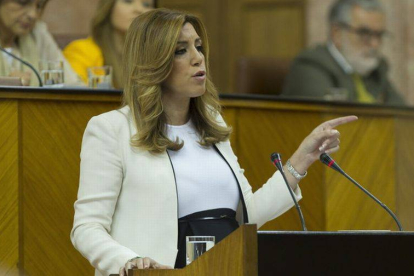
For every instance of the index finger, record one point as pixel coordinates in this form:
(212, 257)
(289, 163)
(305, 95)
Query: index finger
(339, 121)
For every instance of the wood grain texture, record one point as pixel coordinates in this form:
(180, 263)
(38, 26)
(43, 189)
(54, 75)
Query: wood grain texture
(367, 155)
(262, 132)
(51, 141)
(236, 255)
(9, 185)
(272, 28)
(404, 162)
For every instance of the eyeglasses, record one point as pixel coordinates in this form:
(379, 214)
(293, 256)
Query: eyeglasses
(365, 34)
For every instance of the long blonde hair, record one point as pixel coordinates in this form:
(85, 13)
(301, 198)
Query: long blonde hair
(102, 34)
(148, 57)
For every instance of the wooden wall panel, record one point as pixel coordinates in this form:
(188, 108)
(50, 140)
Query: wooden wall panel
(9, 184)
(366, 141)
(404, 163)
(267, 30)
(51, 142)
(272, 28)
(196, 7)
(260, 133)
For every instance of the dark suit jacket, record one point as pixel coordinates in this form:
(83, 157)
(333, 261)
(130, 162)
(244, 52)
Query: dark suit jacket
(315, 71)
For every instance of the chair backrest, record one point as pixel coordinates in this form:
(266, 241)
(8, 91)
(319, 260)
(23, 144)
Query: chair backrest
(261, 75)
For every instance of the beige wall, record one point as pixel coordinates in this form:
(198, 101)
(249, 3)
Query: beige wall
(399, 48)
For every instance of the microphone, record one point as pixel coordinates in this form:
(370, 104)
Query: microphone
(277, 161)
(327, 160)
(25, 63)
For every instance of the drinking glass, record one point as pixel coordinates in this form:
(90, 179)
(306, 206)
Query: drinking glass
(51, 73)
(197, 245)
(100, 77)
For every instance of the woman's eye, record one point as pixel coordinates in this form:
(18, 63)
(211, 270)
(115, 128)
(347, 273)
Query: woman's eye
(200, 48)
(180, 52)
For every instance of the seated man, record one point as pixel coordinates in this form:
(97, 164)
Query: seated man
(350, 62)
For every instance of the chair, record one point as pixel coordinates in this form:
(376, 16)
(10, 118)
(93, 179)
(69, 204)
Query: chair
(261, 75)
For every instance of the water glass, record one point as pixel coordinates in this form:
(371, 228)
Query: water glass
(197, 245)
(100, 77)
(51, 73)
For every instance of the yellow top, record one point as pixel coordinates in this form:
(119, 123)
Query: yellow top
(363, 95)
(83, 53)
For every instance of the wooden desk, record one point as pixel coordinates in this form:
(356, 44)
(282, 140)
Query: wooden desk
(40, 138)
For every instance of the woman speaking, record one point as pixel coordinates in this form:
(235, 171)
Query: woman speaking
(162, 167)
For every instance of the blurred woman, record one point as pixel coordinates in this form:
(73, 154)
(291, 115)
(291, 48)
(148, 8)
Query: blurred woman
(105, 45)
(25, 36)
(162, 168)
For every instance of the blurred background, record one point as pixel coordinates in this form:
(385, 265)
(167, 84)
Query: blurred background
(257, 28)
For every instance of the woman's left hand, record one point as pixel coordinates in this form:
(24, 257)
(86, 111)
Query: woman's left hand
(324, 138)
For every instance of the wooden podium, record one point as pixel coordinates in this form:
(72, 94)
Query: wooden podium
(235, 255)
(248, 252)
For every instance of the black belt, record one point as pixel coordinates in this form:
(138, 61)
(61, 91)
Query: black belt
(204, 218)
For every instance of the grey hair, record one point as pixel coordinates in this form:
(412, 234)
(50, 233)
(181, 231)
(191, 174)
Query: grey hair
(340, 12)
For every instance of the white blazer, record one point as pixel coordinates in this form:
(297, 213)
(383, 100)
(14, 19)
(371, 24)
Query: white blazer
(127, 198)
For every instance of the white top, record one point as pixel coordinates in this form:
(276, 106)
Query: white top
(204, 179)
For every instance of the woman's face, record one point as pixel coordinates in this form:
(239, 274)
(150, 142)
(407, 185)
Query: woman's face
(125, 11)
(18, 17)
(188, 76)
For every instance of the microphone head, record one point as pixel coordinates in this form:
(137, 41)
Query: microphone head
(328, 161)
(276, 160)
(275, 157)
(325, 158)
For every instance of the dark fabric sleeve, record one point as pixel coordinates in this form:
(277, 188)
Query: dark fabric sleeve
(307, 79)
(392, 96)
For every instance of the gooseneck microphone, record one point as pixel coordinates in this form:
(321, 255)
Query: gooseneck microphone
(327, 160)
(25, 63)
(277, 161)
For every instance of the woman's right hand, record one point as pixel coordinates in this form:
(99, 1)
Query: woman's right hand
(141, 263)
